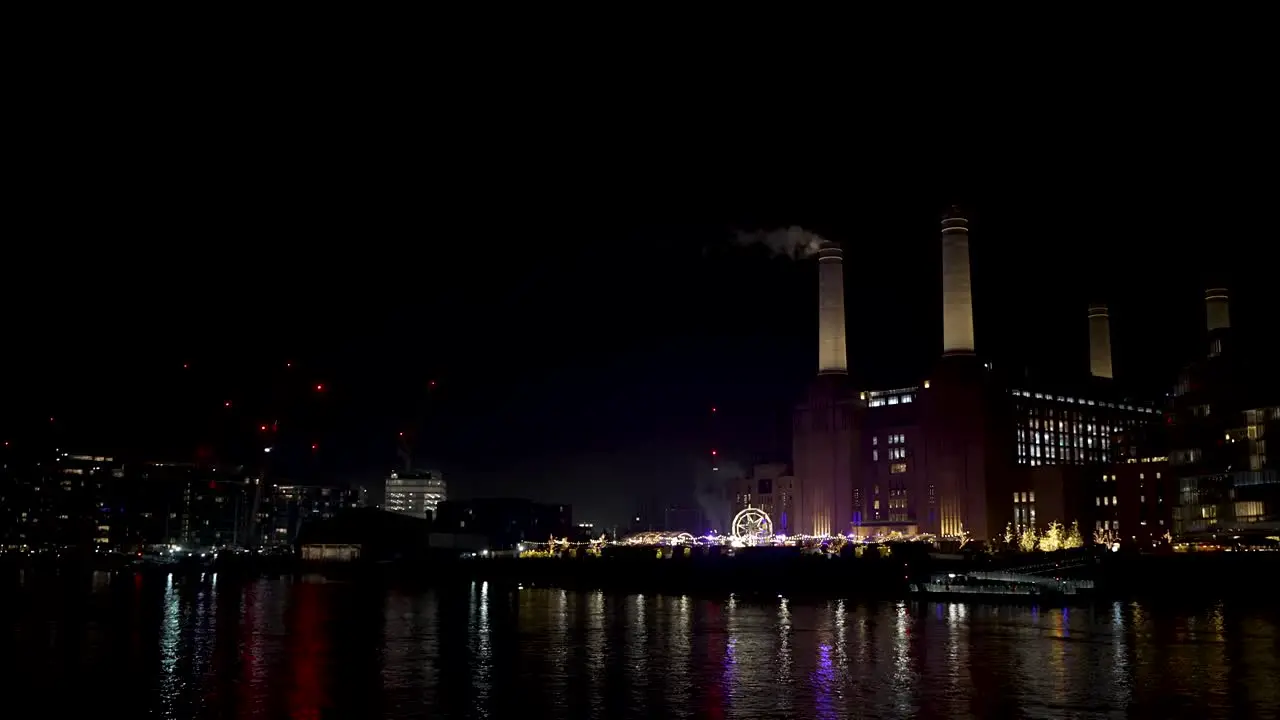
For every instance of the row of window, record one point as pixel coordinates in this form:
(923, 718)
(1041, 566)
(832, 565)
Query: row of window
(891, 400)
(1082, 401)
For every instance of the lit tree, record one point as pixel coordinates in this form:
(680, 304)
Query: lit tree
(964, 536)
(1010, 540)
(1052, 538)
(1073, 539)
(1029, 540)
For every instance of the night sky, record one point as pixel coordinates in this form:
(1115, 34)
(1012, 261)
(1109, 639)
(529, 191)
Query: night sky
(579, 320)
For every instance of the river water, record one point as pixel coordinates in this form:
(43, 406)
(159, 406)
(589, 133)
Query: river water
(123, 645)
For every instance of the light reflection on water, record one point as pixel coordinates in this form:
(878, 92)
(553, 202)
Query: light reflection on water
(192, 646)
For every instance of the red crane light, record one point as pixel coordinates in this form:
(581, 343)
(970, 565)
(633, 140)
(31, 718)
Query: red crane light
(226, 404)
(713, 409)
(51, 420)
(186, 365)
(314, 446)
(402, 434)
(288, 364)
(319, 387)
(713, 452)
(431, 383)
(262, 428)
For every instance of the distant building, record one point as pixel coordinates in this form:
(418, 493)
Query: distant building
(216, 511)
(157, 501)
(415, 493)
(365, 534)
(1223, 408)
(60, 501)
(289, 507)
(771, 488)
(968, 451)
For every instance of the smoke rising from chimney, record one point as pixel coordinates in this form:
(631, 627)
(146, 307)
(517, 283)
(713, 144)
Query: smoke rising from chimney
(794, 242)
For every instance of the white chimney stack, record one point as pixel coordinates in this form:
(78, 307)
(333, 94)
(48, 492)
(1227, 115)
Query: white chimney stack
(832, 358)
(1100, 341)
(957, 296)
(1216, 312)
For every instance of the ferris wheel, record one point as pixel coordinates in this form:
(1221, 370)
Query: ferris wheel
(752, 526)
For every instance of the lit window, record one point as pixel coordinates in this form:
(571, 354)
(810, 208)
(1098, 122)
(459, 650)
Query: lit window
(875, 455)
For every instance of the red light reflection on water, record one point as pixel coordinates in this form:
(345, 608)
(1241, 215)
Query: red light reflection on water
(309, 651)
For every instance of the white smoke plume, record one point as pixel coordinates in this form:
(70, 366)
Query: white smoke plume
(714, 496)
(794, 241)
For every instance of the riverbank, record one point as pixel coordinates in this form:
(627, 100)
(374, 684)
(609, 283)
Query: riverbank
(764, 571)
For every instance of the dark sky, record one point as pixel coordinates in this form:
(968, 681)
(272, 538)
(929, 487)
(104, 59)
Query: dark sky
(580, 306)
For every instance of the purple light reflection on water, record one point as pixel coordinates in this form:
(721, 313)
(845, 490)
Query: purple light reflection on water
(730, 666)
(824, 682)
